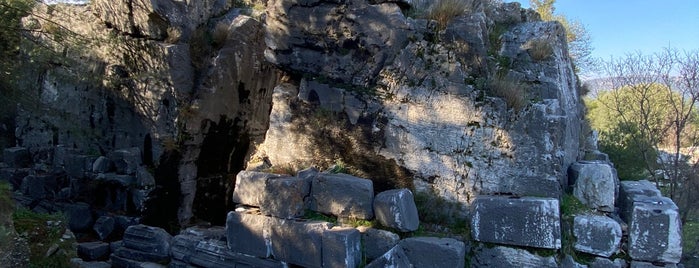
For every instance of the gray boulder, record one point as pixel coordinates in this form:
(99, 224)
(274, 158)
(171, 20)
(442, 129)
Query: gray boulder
(79, 217)
(250, 187)
(342, 195)
(93, 251)
(248, 233)
(631, 191)
(101, 165)
(595, 185)
(104, 226)
(526, 221)
(377, 242)
(286, 197)
(434, 252)
(16, 157)
(654, 231)
(500, 256)
(298, 242)
(395, 257)
(597, 235)
(34, 186)
(396, 209)
(76, 165)
(341, 247)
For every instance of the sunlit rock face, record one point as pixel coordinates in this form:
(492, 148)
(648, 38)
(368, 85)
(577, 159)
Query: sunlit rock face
(422, 101)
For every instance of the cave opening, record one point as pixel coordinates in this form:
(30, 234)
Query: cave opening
(161, 207)
(222, 156)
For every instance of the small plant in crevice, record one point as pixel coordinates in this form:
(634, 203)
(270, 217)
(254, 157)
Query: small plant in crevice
(442, 11)
(539, 49)
(512, 91)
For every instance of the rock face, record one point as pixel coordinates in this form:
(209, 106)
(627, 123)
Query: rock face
(527, 221)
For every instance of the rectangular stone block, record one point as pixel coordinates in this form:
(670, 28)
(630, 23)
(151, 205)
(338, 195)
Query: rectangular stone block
(654, 231)
(595, 185)
(525, 221)
(148, 239)
(377, 242)
(16, 157)
(248, 233)
(126, 161)
(93, 251)
(342, 195)
(298, 242)
(212, 253)
(396, 209)
(395, 257)
(434, 251)
(342, 247)
(286, 197)
(630, 191)
(500, 256)
(597, 235)
(250, 187)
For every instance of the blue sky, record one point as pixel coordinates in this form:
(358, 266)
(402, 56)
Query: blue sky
(618, 27)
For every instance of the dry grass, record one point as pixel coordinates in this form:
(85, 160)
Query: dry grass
(539, 49)
(220, 34)
(512, 91)
(441, 11)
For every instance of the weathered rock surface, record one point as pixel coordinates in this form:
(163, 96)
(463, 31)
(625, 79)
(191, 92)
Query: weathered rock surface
(377, 242)
(632, 191)
(16, 157)
(598, 235)
(298, 243)
(342, 195)
(607, 263)
(434, 252)
(145, 244)
(500, 256)
(395, 257)
(595, 185)
(286, 197)
(104, 226)
(526, 221)
(250, 187)
(341, 247)
(93, 251)
(396, 209)
(654, 231)
(248, 233)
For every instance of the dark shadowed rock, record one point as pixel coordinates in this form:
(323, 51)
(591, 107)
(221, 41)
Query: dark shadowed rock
(434, 252)
(298, 242)
(395, 257)
(342, 195)
(500, 256)
(146, 243)
(126, 161)
(607, 263)
(248, 233)
(92, 251)
(526, 221)
(377, 242)
(632, 191)
(396, 209)
(104, 226)
(79, 216)
(16, 157)
(102, 165)
(341, 247)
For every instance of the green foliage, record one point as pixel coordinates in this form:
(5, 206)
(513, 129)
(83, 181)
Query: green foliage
(41, 236)
(627, 152)
(317, 216)
(571, 206)
(690, 238)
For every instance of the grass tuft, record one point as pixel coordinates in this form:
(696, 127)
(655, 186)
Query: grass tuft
(512, 91)
(539, 49)
(442, 11)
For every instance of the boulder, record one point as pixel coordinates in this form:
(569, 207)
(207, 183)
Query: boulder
(500, 256)
(79, 217)
(395, 257)
(597, 235)
(101, 165)
(285, 197)
(525, 221)
(434, 252)
(248, 233)
(16, 157)
(342, 195)
(76, 165)
(298, 242)
(183, 246)
(146, 242)
(654, 231)
(104, 226)
(630, 191)
(377, 242)
(34, 186)
(93, 251)
(396, 209)
(341, 247)
(126, 161)
(595, 185)
(250, 186)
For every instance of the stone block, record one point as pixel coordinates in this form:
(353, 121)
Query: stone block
(434, 252)
(93, 251)
(250, 186)
(630, 191)
(525, 221)
(104, 226)
(394, 257)
(80, 263)
(79, 217)
(607, 263)
(16, 157)
(144, 178)
(14, 176)
(341, 247)
(123, 262)
(595, 185)
(500, 256)
(183, 246)
(377, 242)
(34, 187)
(76, 165)
(342, 195)
(126, 161)
(212, 253)
(113, 178)
(640, 264)
(597, 235)
(286, 197)
(123, 222)
(147, 239)
(308, 173)
(298, 242)
(61, 154)
(102, 165)
(141, 256)
(654, 231)
(213, 232)
(396, 209)
(248, 233)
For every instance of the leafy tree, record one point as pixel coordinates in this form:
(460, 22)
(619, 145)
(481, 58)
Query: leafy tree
(651, 116)
(579, 40)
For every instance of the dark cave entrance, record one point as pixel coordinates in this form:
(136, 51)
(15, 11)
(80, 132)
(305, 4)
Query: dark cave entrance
(222, 156)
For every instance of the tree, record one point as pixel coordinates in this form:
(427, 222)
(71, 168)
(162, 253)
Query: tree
(579, 40)
(654, 104)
